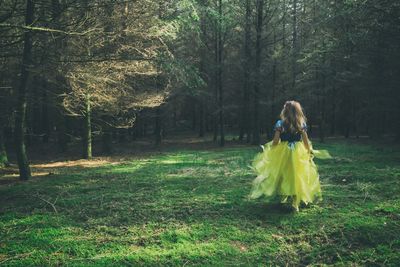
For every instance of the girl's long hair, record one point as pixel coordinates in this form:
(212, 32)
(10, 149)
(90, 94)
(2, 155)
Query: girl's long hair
(292, 116)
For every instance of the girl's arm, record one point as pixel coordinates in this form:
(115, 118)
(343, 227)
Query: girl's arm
(306, 142)
(277, 136)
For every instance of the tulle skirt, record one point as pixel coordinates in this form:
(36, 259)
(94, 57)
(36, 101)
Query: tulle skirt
(287, 170)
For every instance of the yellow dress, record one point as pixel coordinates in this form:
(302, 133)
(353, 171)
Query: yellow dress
(287, 170)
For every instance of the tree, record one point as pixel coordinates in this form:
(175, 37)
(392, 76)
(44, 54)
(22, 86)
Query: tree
(245, 114)
(20, 116)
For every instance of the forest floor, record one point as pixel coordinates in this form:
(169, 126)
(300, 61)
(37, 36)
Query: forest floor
(189, 206)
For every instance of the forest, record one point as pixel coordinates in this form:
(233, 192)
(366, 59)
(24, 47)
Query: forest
(86, 70)
(105, 95)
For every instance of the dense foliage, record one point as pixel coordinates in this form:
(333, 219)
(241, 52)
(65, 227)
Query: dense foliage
(124, 69)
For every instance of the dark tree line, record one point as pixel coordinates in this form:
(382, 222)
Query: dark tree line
(130, 69)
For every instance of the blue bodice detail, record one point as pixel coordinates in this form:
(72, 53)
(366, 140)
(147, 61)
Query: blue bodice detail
(291, 138)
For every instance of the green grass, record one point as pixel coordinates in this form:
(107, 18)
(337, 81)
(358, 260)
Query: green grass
(190, 207)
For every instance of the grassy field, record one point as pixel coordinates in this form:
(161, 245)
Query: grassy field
(190, 207)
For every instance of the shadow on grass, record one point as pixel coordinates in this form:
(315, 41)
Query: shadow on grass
(192, 206)
(183, 187)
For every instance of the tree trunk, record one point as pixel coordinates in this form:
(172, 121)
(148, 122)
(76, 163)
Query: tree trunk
(259, 28)
(333, 112)
(244, 125)
(45, 115)
(295, 45)
(284, 25)
(62, 121)
(215, 85)
(35, 107)
(397, 126)
(219, 77)
(194, 115)
(202, 69)
(215, 127)
(320, 67)
(3, 152)
(87, 153)
(274, 78)
(158, 127)
(174, 117)
(323, 108)
(158, 120)
(62, 130)
(20, 116)
(106, 140)
(201, 118)
(283, 86)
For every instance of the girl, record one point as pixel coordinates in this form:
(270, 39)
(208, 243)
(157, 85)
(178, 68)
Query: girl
(286, 167)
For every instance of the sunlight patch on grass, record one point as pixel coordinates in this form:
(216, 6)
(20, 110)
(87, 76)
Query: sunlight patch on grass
(186, 207)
